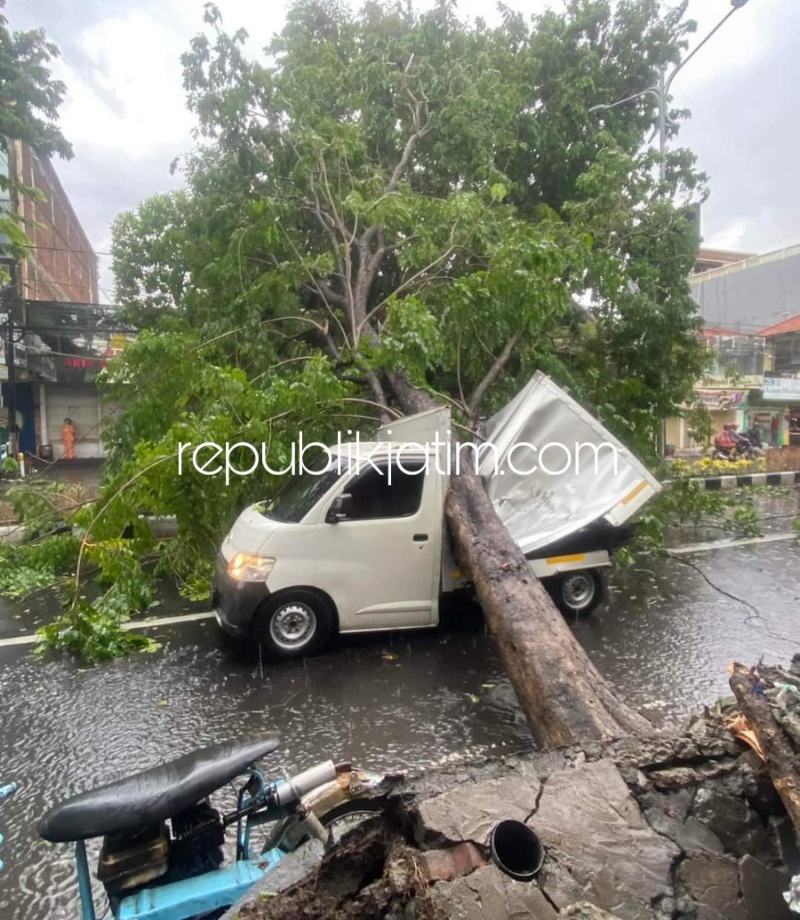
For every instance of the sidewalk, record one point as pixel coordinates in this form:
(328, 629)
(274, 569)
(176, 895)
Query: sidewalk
(83, 473)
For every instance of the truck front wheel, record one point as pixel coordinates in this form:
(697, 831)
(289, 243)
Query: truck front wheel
(576, 594)
(296, 624)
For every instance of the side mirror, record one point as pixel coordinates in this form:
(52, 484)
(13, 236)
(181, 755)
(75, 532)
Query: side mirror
(341, 509)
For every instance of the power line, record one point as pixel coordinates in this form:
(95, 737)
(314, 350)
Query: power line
(31, 287)
(91, 252)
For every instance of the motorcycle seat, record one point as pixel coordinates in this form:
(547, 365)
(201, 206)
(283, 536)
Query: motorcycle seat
(151, 796)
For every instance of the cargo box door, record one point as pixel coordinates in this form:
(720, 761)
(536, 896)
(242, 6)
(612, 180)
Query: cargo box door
(550, 468)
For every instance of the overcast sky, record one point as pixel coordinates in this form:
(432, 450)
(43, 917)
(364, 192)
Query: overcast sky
(125, 115)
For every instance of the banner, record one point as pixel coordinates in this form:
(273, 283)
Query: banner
(719, 400)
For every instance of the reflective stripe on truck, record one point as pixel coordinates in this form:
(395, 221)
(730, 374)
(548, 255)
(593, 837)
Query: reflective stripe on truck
(631, 503)
(552, 565)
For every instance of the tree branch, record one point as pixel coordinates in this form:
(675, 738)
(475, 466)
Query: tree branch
(327, 293)
(402, 164)
(492, 374)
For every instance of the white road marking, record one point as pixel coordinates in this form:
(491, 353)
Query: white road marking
(133, 624)
(727, 544)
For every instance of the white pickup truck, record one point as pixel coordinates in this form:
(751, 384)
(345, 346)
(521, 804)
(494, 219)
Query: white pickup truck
(360, 544)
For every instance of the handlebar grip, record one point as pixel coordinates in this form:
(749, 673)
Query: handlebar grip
(296, 787)
(6, 791)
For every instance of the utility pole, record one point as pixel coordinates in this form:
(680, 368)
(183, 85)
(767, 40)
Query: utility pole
(9, 295)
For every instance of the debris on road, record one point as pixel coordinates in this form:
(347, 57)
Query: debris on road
(686, 825)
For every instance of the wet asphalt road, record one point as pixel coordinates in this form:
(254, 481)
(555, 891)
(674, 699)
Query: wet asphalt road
(388, 701)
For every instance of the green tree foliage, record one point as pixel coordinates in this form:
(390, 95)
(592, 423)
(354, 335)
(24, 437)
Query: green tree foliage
(398, 190)
(29, 103)
(389, 170)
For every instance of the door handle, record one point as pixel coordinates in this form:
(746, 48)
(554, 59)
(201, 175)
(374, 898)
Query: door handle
(420, 537)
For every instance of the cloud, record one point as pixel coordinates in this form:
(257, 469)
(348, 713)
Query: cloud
(126, 117)
(742, 127)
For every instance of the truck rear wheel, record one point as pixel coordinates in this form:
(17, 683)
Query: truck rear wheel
(578, 593)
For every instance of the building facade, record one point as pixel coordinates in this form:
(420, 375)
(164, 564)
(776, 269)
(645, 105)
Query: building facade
(780, 397)
(709, 259)
(735, 372)
(748, 295)
(56, 337)
(61, 265)
(750, 307)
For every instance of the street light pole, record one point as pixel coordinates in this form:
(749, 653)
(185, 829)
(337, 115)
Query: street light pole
(662, 125)
(661, 91)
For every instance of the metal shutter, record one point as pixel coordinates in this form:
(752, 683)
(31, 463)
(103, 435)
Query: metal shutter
(78, 403)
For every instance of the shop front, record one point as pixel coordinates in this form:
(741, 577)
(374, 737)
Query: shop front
(725, 406)
(59, 404)
(779, 409)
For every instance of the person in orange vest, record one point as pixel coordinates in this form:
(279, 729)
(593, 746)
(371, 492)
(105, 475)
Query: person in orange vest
(68, 437)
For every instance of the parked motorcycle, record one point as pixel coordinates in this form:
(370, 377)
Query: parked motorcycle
(162, 856)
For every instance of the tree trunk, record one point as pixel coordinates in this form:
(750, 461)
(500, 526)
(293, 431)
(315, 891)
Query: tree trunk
(781, 758)
(563, 696)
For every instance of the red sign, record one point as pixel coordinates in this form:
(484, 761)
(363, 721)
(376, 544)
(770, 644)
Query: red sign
(81, 363)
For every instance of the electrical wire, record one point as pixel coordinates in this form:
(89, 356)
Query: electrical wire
(90, 252)
(756, 613)
(72, 284)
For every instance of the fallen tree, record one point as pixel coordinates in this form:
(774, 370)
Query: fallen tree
(782, 758)
(561, 693)
(378, 194)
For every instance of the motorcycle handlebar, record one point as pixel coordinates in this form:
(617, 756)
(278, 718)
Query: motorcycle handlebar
(297, 786)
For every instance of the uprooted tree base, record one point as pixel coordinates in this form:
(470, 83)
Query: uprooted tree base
(661, 828)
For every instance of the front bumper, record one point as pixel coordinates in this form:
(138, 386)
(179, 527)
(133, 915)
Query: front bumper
(235, 602)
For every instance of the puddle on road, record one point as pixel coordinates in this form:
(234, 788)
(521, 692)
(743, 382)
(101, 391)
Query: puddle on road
(392, 702)
(388, 701)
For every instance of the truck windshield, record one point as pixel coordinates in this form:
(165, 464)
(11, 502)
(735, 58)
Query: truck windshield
(300, 493)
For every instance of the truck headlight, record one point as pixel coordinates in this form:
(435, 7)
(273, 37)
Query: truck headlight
(250, 567)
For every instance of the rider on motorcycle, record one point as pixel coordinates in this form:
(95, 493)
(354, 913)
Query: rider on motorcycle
(726, 439)
(729, 444)
(753, 435)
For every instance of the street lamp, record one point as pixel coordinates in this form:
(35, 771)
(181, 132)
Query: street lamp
(664, 82)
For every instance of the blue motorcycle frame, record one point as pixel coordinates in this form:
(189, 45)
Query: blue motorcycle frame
(299, 807)
(5, 791)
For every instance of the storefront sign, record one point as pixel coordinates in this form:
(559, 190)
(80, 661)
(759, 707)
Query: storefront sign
(718, 400)
(20, 359)
(782, 389)
(746, 381)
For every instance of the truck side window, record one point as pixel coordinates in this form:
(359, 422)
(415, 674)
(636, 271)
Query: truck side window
(374, 497)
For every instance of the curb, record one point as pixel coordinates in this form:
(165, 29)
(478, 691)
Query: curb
(163, 526)
(715, 483)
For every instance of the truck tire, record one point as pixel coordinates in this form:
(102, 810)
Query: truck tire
(293, 625)
(576, 594)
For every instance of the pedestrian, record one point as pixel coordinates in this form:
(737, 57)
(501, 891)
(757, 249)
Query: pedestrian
(68, 437)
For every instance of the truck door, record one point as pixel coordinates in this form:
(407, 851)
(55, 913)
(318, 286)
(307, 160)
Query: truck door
(381, 565)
